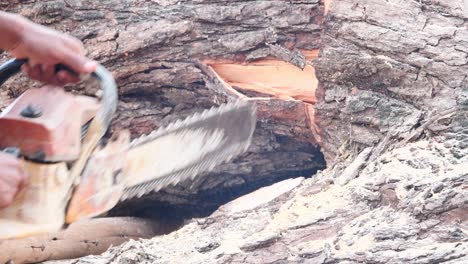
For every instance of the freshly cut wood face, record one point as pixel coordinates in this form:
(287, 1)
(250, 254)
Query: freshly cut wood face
(326, 4)
(271, 76)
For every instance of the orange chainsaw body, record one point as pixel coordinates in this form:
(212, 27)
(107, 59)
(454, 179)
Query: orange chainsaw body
(57, 136)
(72, 167)
(45, 124)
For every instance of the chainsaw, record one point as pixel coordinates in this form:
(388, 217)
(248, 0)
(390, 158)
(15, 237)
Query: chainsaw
(75, 171)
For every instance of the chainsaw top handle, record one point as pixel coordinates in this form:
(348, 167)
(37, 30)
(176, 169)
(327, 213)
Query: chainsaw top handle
(107, 83)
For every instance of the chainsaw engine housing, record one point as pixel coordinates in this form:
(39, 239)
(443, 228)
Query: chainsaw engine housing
(45, 124)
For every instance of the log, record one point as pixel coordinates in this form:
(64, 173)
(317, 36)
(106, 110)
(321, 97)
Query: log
(385, 69)
(173, 58)
(83, 238)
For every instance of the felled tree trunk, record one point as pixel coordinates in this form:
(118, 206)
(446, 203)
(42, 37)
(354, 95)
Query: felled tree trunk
(173, 58)
(164, 56)
(383, 67)
(392, 114)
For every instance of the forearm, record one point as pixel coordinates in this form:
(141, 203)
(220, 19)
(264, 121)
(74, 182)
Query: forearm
(11, 27)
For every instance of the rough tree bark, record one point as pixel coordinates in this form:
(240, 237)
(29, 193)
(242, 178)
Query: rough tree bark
(393, 89)
(388, 68)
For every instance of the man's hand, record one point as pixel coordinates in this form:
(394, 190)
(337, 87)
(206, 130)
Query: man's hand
(44, 48)
(12, 178)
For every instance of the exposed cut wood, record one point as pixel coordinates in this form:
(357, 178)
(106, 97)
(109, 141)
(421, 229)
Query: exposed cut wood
(270, 76)
(326, 5)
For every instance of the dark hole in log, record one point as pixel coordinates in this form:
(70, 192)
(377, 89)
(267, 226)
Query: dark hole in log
(284, 144)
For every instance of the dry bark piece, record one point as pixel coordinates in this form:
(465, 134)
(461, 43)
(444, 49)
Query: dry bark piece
(353, 169)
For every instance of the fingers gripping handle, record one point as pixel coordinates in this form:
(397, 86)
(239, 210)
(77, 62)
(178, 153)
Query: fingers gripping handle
(13, 66)
(107, 83)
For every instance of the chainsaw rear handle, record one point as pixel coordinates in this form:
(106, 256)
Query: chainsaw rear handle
(107, 83)
(9, 69)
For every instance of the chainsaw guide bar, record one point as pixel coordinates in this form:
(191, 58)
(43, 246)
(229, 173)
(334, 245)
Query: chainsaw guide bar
(189, 147)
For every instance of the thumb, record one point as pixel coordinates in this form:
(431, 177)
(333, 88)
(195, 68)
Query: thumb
(77, 62)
